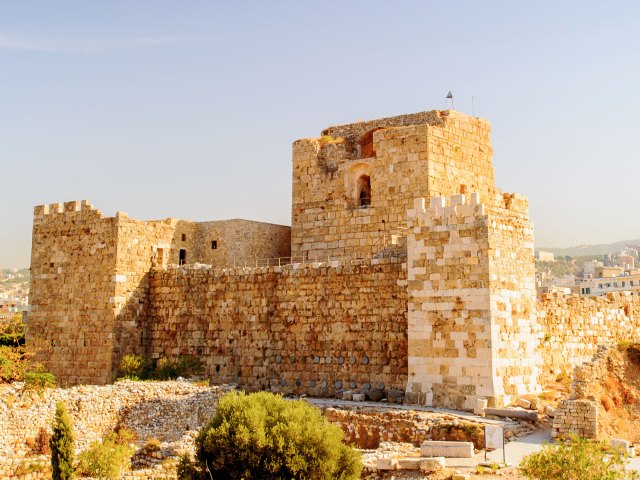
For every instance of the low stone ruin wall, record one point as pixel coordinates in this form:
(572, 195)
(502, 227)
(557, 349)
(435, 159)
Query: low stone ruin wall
(578, 414)
(162, 410)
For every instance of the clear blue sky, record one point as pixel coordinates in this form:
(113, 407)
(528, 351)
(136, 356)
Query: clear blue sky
(188, 109)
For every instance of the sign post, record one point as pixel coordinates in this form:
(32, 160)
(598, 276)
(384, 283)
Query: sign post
(493, 440)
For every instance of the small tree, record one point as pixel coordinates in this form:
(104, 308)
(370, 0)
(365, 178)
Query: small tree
(62, 449)
(263, 436)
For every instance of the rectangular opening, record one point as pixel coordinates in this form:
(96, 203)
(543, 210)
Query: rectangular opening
(182, 259)
(214, 244)
(184, 237)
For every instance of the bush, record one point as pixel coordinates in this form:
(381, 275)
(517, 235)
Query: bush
(575, 459)
(263, 436)
(38, 379)
(12, 332)
(134, 367)
(109, 458)
(140, 367)
(185, 366)
(41, 444)
(61, 444)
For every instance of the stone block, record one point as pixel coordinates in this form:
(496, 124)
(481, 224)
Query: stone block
(347, 395)
(513, 413)
(357, 397)
(524, 403)
(460, 476)
(481, 405)
(447, 449)
(409, 463)
(620, 444)
(374, 394)
(386, 463)
(431, 465)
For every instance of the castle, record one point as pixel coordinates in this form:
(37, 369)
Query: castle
(404, 269)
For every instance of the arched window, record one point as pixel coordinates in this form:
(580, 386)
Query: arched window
(364, 191)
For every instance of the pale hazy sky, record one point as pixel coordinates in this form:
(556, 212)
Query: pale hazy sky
(188, 109)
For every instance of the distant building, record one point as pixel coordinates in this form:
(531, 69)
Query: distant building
(589, 269)
(604, 285)
(545, 256)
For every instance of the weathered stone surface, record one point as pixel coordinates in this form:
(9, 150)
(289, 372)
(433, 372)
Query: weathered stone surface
(620, 444)
(442, 448)
(386, 463)
(168, 411)
(374, 394)
(523, 403)
(512, 413)
(432, 465)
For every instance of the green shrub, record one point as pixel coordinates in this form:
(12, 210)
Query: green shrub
(12, 332)
(263, 436)
(185, 366)
(140, 367)
(61, 444)
(575, 459)
(12, 364)
(134, 367)
(38, 379)
(109, 458)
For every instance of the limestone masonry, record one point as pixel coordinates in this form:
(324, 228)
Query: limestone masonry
(404, 269)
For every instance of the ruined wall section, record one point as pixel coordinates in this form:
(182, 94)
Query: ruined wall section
(313, 329)
(573, 327)
(71, 323)
(241, 242)
(410, 156)
(470, 314)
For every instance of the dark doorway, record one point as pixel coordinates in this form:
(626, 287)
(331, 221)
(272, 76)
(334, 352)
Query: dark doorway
(182, 259)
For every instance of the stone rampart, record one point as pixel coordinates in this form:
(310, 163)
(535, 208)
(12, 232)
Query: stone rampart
(571, 328)
(301, 328)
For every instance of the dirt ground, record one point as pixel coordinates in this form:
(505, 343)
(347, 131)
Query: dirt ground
(619, 395)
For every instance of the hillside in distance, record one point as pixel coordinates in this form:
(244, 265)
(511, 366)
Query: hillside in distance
(585, 250)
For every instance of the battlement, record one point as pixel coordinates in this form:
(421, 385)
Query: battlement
(446, 210)
(41, 211)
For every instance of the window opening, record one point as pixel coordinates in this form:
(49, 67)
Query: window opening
(214, 244)
(364, 191)
(182, 259)
(184, 237)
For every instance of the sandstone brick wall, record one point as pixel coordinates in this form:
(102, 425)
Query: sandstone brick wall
(514, 329)
(572, 328)
(312, 329)
(470, 282)
(411, 156)
(90, 279)
(241, 242)
(72, 319)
